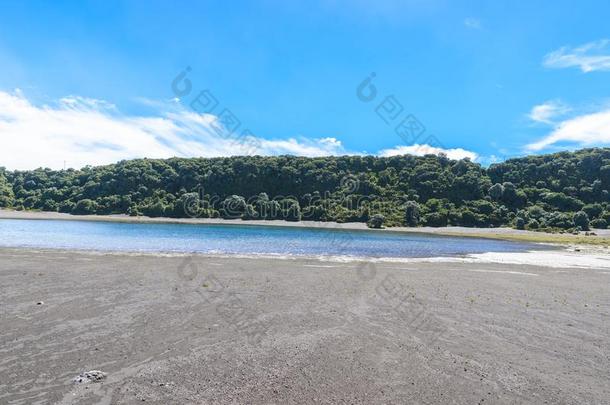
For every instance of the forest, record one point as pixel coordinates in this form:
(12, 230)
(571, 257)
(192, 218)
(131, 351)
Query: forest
(565, 191)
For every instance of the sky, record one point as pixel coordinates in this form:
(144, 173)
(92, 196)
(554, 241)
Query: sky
(89, 83)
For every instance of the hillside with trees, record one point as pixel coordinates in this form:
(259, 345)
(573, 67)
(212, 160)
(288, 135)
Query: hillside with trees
(561, 191)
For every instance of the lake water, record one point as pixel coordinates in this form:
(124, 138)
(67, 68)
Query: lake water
(239, 239)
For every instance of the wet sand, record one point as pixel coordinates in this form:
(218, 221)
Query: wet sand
(180, 330)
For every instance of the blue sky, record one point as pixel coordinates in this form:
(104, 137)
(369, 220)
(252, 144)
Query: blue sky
(90, 82)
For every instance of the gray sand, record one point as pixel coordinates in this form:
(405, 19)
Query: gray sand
(170, 330)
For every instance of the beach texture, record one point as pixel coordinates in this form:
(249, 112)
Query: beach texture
(93, 328)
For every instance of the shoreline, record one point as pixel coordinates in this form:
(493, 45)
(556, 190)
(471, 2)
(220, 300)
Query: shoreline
(563, 257)
(602, 237)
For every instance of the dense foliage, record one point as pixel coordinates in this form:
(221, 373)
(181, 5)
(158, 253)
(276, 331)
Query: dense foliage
(558, 191)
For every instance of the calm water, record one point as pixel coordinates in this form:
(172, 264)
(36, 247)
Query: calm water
(238, 239)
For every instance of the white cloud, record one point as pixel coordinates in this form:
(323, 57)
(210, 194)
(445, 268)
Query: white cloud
(546, 112)
(588, 57)
(472, 23)
(421, 150)
(83, 131)
(584, 130)
(303, 147)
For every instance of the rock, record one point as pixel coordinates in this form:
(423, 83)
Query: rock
(40, 303)
(89, 376)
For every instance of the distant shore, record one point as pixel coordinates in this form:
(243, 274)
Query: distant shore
(601, 237)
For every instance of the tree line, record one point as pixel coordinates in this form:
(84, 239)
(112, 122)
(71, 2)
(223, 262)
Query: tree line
(560, 191)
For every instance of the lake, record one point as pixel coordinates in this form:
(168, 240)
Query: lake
(240, 239)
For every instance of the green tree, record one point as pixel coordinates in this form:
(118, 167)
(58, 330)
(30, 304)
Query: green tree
(519, 223)
(376, 221)
(233, 207)
(599, 223)
(547, 188)
(85, 207)
(7, 196)
(411, 213)
(593, 210)
(581, 219)
(496, 191)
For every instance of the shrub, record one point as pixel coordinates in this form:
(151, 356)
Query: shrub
(435, 219)
(376, 221)
(533, 224)
(562, 202)
(599, 223)
(496, 191)
(468, 218)
(559, 220)
(536, 212)
(85, 207)
(233, 207)
(7, 198)
(512, 196)
(189, 205)
(520, 223)
(291, 211)
(483, 207)
(50, 205)
(411, 213)
(250, 213)
(581, 219)
(66, 206)
(593, 210)
(156, 209)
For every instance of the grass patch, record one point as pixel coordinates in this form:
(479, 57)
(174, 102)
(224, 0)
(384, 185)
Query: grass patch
(539, 238)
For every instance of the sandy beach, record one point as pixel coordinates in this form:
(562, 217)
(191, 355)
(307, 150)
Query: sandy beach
(304, 202)
(172, 329)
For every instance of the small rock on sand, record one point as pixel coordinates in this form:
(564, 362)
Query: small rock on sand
(89, 376)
